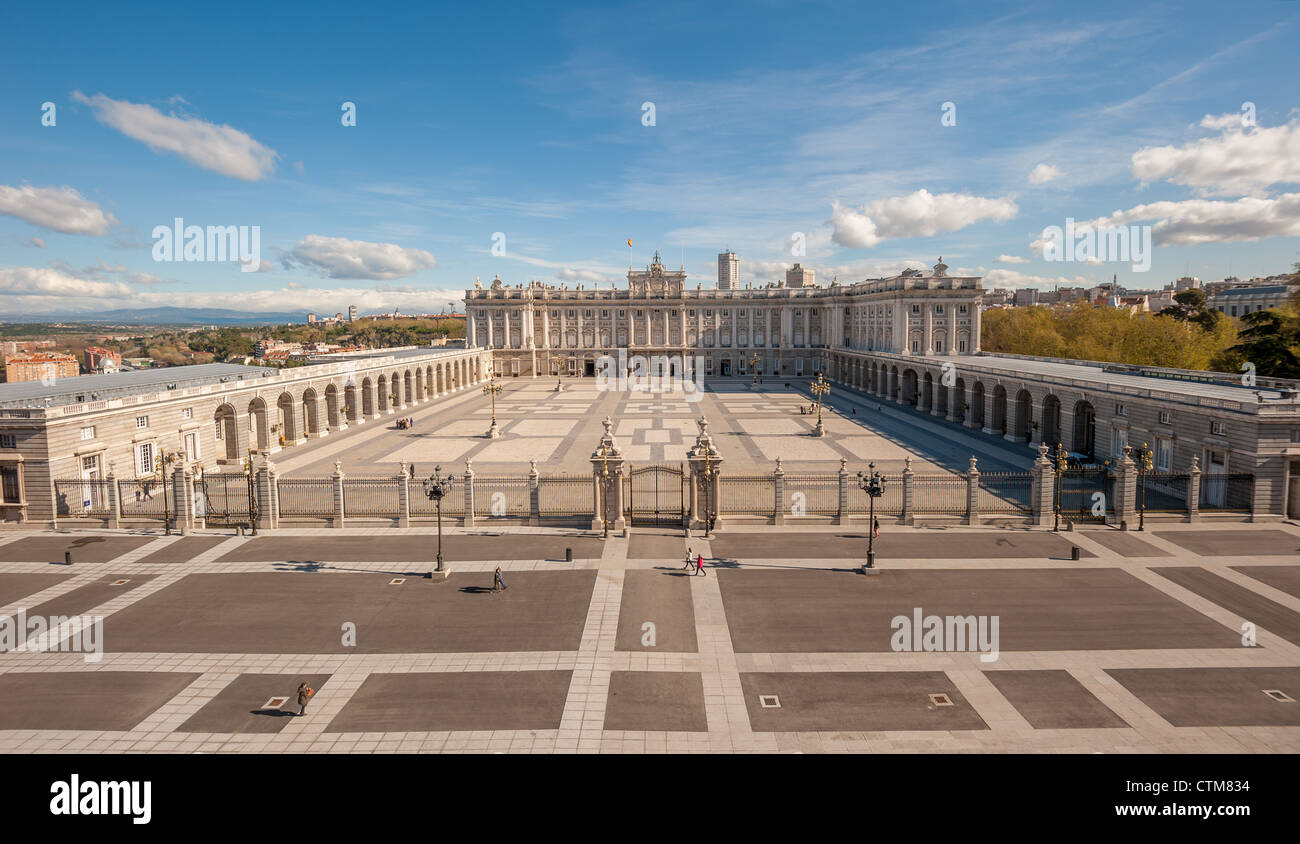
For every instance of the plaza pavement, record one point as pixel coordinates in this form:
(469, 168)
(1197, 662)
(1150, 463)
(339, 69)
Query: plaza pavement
(782, 646)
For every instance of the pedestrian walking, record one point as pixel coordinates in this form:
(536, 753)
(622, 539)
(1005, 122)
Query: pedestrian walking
(304, 694)
(875, 529)
(699, 565)
(412, 471)
(690, 559)
(498, 583)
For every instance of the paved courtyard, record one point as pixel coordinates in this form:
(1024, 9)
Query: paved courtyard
(752, 425)
(781, 645)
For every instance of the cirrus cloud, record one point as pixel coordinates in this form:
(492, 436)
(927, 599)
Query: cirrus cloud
(339, 257)
(221, 149)
(60, 209)
(920, 214)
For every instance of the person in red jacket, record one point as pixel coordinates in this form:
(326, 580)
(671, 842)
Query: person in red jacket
(699, 564)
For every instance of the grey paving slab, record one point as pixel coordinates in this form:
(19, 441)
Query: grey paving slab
(85, 548)
(851, 545)
(470, 700)
(1235, 543)
(1252, 606)
(1125, 544)
(183, 549)
(661, 598)
(303, 613)
(85, 700)
(1215, 697)
(101, 591)
(667, 546)
(14, 587)
(670, 701)
(420, 548)
(807, 611)
(856, 701)
(241, 707)
(1283, 578)
(1053, 700)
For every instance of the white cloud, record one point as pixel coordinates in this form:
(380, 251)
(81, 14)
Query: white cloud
(920, 214)
(61, 209)
(1234, 163)
(338, 257)
(37, 242)
(1196, 221)
(1011, 259)
(1044, 173)
(222, 149)
(1015, 279)
(36, 281)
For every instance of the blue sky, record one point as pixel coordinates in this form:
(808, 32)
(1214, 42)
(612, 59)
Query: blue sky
(770, 120)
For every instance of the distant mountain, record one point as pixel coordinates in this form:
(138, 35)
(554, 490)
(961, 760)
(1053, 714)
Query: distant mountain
(163, 316)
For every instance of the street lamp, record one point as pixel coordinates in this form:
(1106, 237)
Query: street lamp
(709, 472)
(753, 365)
(491, 388)
(1060, 463)
(164, 461)
(873, 485)
(1144, 466)
(249, 477)
(436, 488)
(819, 388)
(604, 475)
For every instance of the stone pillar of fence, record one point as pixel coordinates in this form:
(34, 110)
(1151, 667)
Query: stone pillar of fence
(337, 478)
(534, 495)
(114, 501)
(1126, 481)
(607, 457)
(267, 500)
(842, 502)
(1194, 490)
(183, 497)
(469, 494)
(403, 496)
(704, 457)
(972, 494)
(1042, 488)
(909, 492)
(778, 494)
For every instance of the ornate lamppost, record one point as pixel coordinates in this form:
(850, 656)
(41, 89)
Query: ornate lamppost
(604, 490)
(250, 479)
(873, 484)
(166, 459)
(1144, 466)
(819, 388)
(710, 512)
(753, 365)
(1060, 463)
(491, 388)
(436, 487)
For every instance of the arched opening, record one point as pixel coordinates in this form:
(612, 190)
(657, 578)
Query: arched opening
(977, 405)
(350, 402)
(998, 424)
(381, 393)
(288, 420)
(407, 387)
(926, 400)
(332, 407)
(311, 412)
(1051, 420)
(259, 431)
(227, 431)
(908, 389)
(959, 409)
(368, 398)
(396, 393)
(941, 398)
(1084, 440)
(1024, 404)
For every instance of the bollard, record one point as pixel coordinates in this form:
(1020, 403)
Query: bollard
(1074, 552)
(67, 558)
(568, 555)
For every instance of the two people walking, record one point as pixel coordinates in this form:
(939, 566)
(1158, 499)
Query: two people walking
(498, 583)
(696, 565)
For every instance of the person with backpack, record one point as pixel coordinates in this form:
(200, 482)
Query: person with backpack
(304, 694)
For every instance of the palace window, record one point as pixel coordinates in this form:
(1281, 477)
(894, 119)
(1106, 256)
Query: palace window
(8, 441)
(142, 422)
(88, 432)
(1164, 455)
(1164, 417)
(1219, 428)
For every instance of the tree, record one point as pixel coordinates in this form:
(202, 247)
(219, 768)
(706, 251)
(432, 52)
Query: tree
(1267, 343)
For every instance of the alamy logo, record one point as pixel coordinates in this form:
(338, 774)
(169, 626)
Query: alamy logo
(953, 633)
(1087, 244)
(655, 374)
(57, 633)
(180, 242)
(126, 797)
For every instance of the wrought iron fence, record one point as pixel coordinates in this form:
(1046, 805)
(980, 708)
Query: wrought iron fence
(1164, 491)
(142, 498)
(1086, 494)
(83, 499)
(889, 504)
(818, 495)
(221, 499)
(502, 496)
(746, 494)
(309, 497)
(370, 497)
(565, 495)
(1005, 492)
(939, 493)
(1234, 492)
(453, 503)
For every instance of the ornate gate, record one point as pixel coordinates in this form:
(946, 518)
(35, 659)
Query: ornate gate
(656, 495)
(1079, 488)
(221, 499)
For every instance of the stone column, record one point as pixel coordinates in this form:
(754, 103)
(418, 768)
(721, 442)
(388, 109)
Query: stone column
(702, 456)
(1043, 488)
(1125, 489)
(909, 492)
(337, 491)
(469, 494)
(778, 496)
(267, 509)
(534, 495)
(972, 494)
(403, 496)
(842, 506)
(183, 497)
(1194, 491)
(988, 411)
(608, 457)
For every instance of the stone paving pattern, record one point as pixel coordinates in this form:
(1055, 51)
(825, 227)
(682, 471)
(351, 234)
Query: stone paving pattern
(1111, 653)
